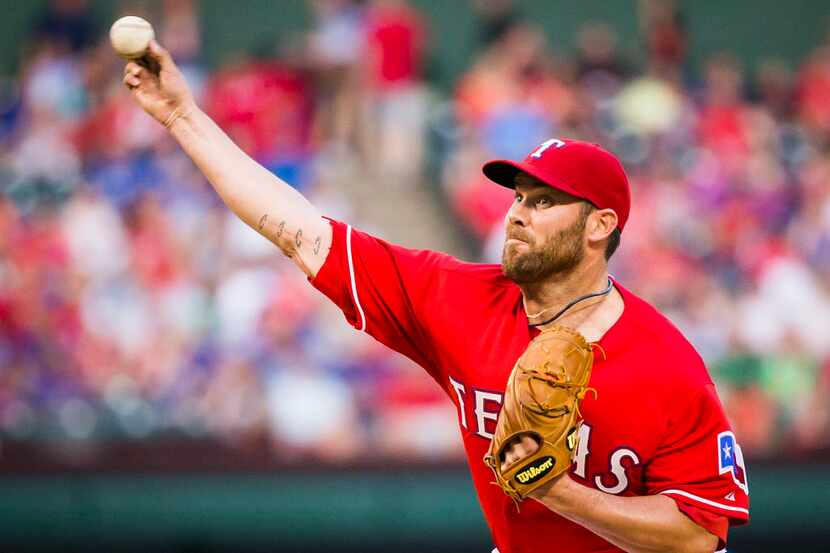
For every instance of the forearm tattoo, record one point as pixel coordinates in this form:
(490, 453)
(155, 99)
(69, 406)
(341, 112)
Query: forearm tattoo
(275, 233)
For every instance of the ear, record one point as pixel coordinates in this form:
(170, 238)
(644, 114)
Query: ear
(601, 223)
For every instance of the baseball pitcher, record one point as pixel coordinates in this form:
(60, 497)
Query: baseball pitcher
(593, 416)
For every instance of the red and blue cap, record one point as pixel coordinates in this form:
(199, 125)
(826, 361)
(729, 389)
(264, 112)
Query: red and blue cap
(581, 169)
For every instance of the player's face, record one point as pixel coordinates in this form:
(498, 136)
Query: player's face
(545, 232)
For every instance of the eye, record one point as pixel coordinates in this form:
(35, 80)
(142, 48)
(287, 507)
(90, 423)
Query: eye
(544, 201)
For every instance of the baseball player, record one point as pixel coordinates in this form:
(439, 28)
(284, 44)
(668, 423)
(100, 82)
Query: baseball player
(580, 368)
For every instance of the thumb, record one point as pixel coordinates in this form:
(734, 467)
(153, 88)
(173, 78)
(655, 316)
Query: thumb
(159, 55)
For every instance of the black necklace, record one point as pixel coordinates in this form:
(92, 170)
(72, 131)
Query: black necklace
(602, 292)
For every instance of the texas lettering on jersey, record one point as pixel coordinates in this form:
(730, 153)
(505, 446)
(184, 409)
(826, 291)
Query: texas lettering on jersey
(656, 425)
(483, 428)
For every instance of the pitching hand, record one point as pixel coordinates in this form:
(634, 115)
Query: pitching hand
(518, 448)
(164, 94)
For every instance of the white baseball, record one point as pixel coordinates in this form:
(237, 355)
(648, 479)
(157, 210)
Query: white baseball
(130, 36)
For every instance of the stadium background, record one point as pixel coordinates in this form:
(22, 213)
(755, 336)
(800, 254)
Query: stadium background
(169, 383)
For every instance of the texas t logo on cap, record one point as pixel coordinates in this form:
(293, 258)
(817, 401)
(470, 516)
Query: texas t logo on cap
(537, 153)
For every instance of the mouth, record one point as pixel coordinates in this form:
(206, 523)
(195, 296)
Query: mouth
(510, 241)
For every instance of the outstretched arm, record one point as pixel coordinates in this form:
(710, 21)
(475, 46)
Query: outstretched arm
(264, 202)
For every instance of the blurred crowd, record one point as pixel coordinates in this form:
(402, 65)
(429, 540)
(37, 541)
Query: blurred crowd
(134, 305)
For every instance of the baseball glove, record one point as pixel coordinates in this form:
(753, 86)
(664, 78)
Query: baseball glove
(542, 399)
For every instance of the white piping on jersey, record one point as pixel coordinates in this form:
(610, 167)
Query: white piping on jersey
(351, 276)
(706, 501)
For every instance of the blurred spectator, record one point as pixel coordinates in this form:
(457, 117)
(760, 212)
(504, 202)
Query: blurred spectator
(67, 23)
(396, 98)
(814, 87)
(776, 90)
(599, 65)
(395, 40)
(336, 45)
(495, 18)
(181, 35)
(265, 107)
(665, 38)
(648, 105)
(723, 120)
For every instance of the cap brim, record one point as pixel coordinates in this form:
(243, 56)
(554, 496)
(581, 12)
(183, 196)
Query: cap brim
(504, 171)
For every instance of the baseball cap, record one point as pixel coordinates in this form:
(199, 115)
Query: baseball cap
(581, 169)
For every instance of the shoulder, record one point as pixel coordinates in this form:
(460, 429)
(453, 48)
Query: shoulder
(375, 259)
(668, 353)
(448, 266)
(486, 274)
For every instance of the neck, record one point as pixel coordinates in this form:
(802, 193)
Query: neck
(545, 298)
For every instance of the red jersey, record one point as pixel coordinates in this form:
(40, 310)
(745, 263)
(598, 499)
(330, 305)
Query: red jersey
(655, 427)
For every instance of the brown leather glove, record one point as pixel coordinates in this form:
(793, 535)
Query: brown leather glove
(542, 399)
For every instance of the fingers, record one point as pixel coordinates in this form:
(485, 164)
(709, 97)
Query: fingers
(134, 69)
(159, 54)
(519, 448)
(133, 74)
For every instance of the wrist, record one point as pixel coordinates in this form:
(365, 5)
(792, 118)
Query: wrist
(181, 114)
(558, 493)
(187, 125)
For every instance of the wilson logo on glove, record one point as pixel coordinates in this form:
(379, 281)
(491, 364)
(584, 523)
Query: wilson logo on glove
(535, 470)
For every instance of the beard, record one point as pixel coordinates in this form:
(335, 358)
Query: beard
(558, 256)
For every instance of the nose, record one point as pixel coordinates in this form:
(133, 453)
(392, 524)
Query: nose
(517, 214)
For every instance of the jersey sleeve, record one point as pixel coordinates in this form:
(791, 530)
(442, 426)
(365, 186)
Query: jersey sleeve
(386, 291)
(699, 464)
